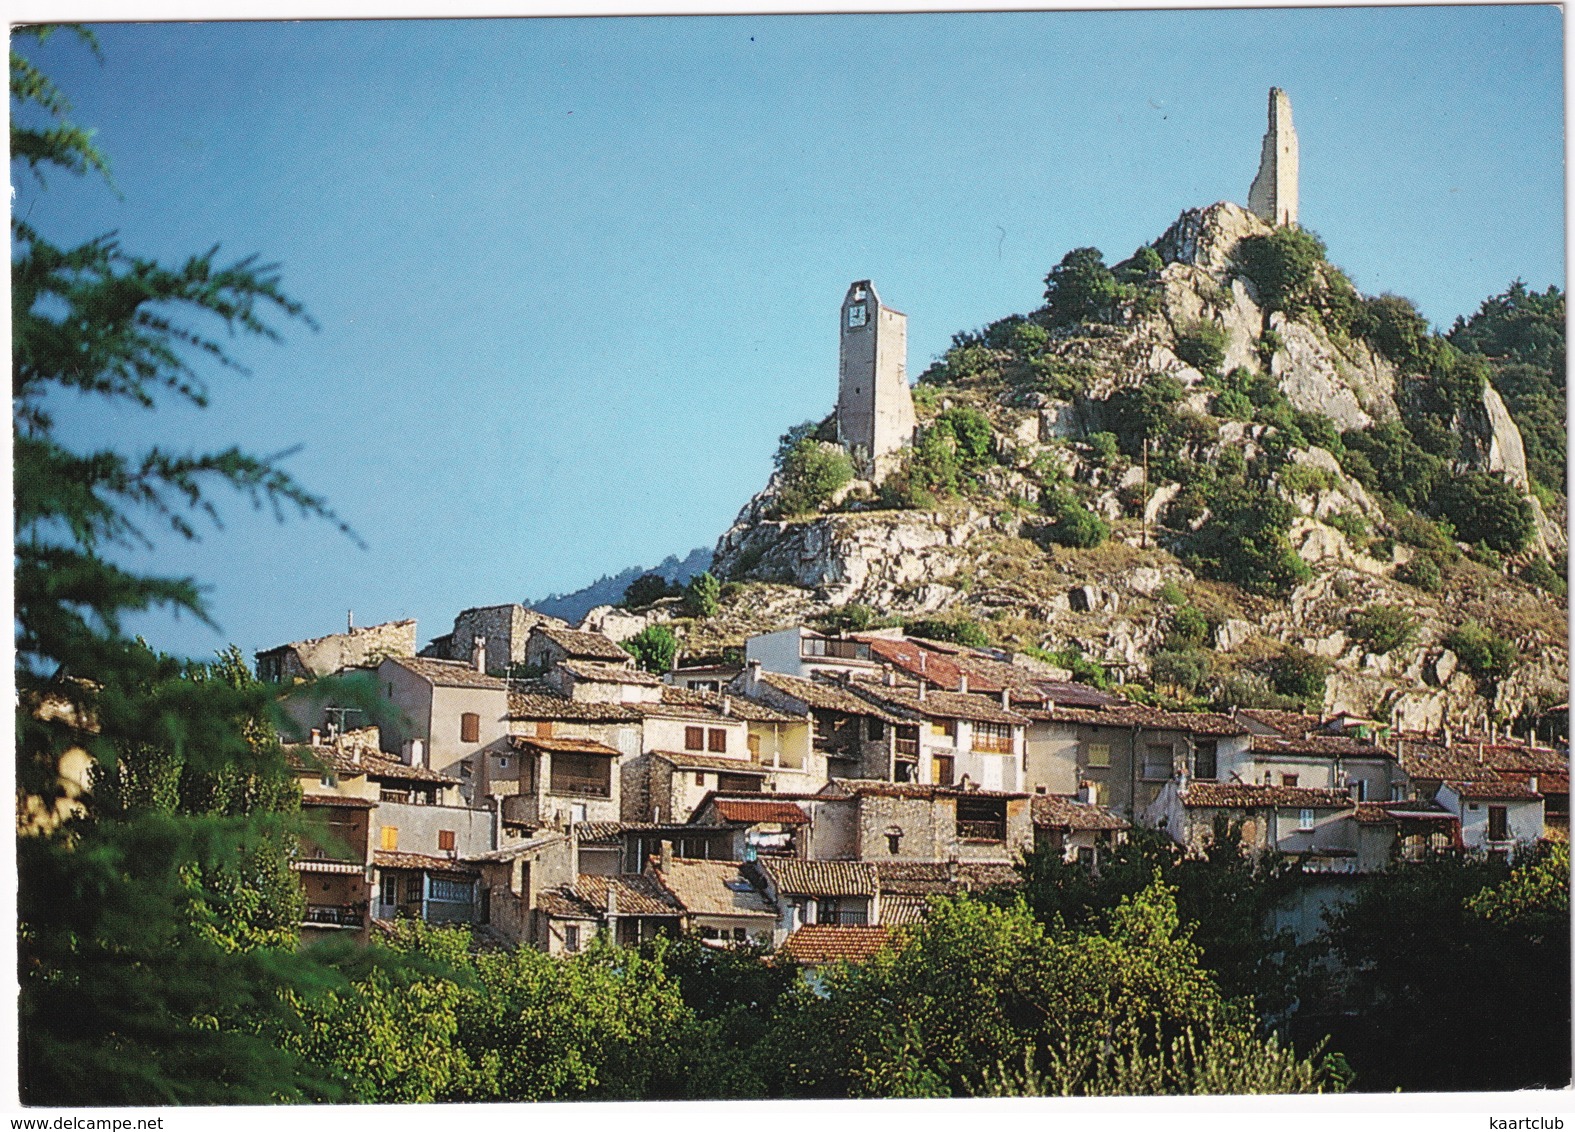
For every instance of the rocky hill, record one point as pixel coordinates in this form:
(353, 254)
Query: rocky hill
(1216, 472)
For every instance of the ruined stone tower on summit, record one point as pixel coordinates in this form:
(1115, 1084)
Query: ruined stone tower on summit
(1272, 197)
(874, 407)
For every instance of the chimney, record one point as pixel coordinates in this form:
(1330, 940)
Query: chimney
(1006, 698)
(922, 686)
(727, 706)
(665, 857)
(478, 654)
(317, 737)
(888, 676)
(753, 668)
(418, 754)
(1532, 782)
(962, 683)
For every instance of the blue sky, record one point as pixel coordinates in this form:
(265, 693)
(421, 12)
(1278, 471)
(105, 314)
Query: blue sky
(575, 276)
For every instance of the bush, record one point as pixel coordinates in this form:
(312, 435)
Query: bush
(1482, 651)
(970, 432)
(854, 617)
(1305, 479)
(702, 596)
(1285, 267)
(1188, 628)
(958, 630)
(1244, 540)
(1422, 572)
(1252, 690)
(1300, 675)
(1414, 530)
(1073, 524)
(1538, 573)
(1202, 344)
(653, 648)
(811, 474)
(1393, 463)
(1082, 289)
(1485, 509)
(1171, 594)
(1232, 406)
(1181, 668)
(1105, 445)
(648, 589)
(1383, 628)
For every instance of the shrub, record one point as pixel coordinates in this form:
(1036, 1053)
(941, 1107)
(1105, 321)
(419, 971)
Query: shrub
(1485, 509)
(1269, 344)
(811, 474)
(1300, 675)
(1319, 430)
(1105, 446)
(648, 589)
(1351, 524)
(1285, 267)
(854, 617)
(1188, 628)
(1252, 690)
(1202, 344)
(1073, 524)
(1305, 479)
(958, 630)
(1144, 265)
(1082, 289)
(1171, 594)
(970, 432)
(1414, 530)
(1244, 541)
(1383, 628)
(653, 648)
(790, 440)
(1538, 573)
(1232, 406)
(1483, 652)
(1394, 463)
(1181, 668)
(1398, 331)
(702, 596)
(1422, 572)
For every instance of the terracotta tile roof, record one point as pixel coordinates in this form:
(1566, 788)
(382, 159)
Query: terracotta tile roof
(380, 767)
(903, 700)
(338, 800)
(685, 760)
(538, 703)
(727, 706)
(1151, 718)
(1548, 782)
(1490, 790)
(814, 945)
(600, 832)
(784, 813)
(585, 646)
(903, 910)
(303, 758)
(386, 859)
(594, 672)
(1325, 746)
(564, 746)
(447, 673)
(1469, 759)
(945, 664)
(874, 787)
(820, 878)
(1246, 795)
(586, 898)
(942, 878)
(1390, 813)
(827, 695)
(713, 888)
(1292, 724)
(1058, 811)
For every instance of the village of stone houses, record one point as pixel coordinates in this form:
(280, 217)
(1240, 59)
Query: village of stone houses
(1143, 578)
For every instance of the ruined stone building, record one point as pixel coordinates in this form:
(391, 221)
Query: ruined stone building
(1273, 196)
(874, 407)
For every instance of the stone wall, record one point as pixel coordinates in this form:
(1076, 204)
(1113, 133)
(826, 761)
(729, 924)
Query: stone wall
(324, 656)
(506, 628)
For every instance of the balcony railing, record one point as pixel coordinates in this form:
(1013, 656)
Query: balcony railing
(584, 787)
(335, 915)
(981, 830)
(993, 744)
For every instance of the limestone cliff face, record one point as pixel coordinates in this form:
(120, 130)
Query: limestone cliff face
(989, 558)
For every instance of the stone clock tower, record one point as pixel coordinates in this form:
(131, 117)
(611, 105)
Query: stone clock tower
(874, 408)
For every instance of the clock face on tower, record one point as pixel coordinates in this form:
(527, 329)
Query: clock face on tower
(858, 315)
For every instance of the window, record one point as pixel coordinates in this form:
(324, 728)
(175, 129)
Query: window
(993, 737)
(1158, 761)
(1397, 793)
(1289, 779)
(450, 891)
(894, 842)
(1304, 821)
(413, 889)
(842, 910)
(1359, 790)
(390, 837)
(571, 937)
(944, 729)
(446, 840)
(328, 779)
(737, 784)
(981, 819)
(699, 778)
(1206, 760)
(908, 742)
(390, 887)
(469, 727)
(945, 770)
(1498, 823)
(694, 738)
(740, 935)
(581, 774)
(716, 739)
(1098, 754)
(874, 729)
(1085, 856)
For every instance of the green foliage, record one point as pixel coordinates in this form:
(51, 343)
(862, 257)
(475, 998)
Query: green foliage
(1146, 412)
(653, 648)
(1232, 406)
(1497, 939)
(1285, 266)
(1538, 573)
(1143, 267)
(1422, 571)
(1184, 668)
(1398, 331)
(1188, 628)
(854, 617)
(958, 630)
(1482, 651)
(648, 589)
(1387, 459)
(1244, 541)
(1073, 524)
(1435, 538)
(969, 432)
(791, 439)
(1383, 628)
(702, 596)
(1521, 333)
(1082, 289)
(1300, 675)
(1105, 445)
(975, 989)
(156, 927)
(1305, 479)
(811, 474)
(1485, 509)
(1083, 669)
(1247, 689)
(1351, 524)
(1202, 344)
(1171, 594)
